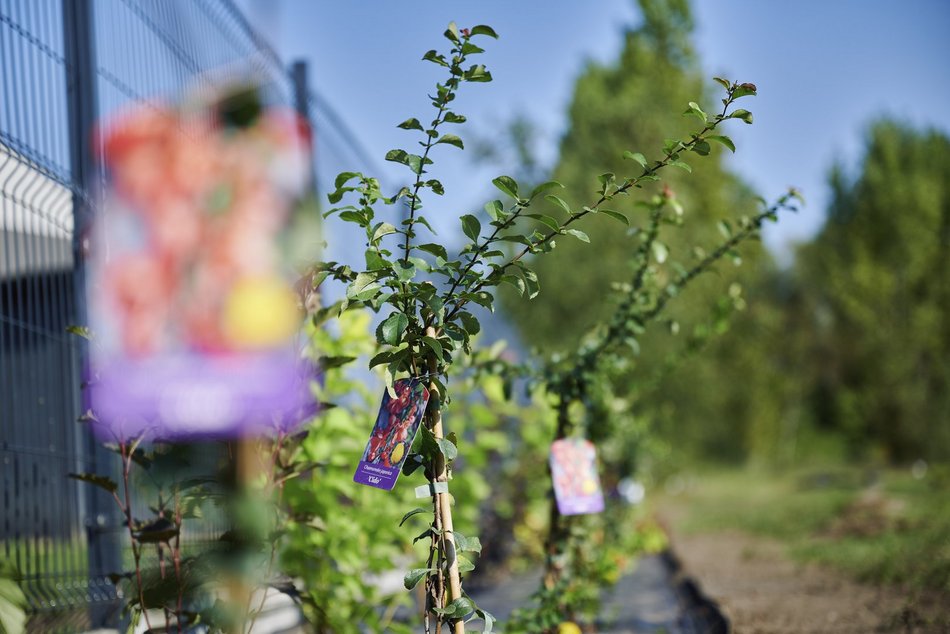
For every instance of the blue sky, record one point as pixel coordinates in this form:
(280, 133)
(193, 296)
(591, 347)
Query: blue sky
(824, 68)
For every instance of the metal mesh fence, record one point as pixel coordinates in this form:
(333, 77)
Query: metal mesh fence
(63, 65)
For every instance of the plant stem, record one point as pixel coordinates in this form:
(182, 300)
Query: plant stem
(136, 555)
(575, 216)
(176, 558)
(441, 500)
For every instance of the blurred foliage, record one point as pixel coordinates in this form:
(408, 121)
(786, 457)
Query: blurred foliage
(341, 536)
(12, 600)
(879, 275)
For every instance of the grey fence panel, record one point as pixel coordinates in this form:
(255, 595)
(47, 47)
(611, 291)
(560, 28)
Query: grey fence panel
(41, 526)
(64, 64)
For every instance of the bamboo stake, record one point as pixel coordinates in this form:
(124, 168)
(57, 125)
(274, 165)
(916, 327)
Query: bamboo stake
(441, 500)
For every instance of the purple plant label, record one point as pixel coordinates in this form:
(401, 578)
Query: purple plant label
(574, 472)
(396, 426)
(191, 275)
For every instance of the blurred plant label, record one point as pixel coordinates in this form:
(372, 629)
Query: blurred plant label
(574, 472)
(191, 295)
(396, 426)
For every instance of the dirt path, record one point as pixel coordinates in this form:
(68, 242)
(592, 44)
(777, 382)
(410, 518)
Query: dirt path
(762, 591)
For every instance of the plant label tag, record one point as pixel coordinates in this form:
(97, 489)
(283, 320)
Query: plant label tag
(574, 472)
(396, 426)
(191, 294)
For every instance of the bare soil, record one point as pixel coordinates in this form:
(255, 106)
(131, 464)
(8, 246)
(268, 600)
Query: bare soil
(761, 591)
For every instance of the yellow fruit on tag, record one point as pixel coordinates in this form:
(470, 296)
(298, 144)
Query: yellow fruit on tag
(397, 454)
(569, 627)
(260, 312)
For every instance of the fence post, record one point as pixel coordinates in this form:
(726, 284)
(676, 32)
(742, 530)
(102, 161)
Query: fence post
(301, 87)
(100, 517)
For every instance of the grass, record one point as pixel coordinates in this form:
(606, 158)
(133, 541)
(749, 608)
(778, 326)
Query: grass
(879, 526)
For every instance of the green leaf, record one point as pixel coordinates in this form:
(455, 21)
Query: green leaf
(384, 229)
(374, 261)
(577, 233)
(507, 185)
(412, 463)
(477, 73)
(459, 608)
(413, 161)
(682, 165)
(80, 331)
(383, 357)
(397, 156)
(13, 604)
(515, 281)
(724, 228)
(414, 576)
(743, 90)
(467, 544)
(700, 147)
(722, 140)
(482, 298)
(415, 511)
(559, 202)
(470, 49)
(451, 139)
(405, 271)
(434, 346)
(531, 282)
(616, 215)
(465, 565)
(543, 187)
(448, 449)
(725, 83)
(463, 606)
(409, 124)
(393, 327)
(158, 530)
(100, 481)
(361, 283)
(488, 618)
(451, 117)
(548, 221)
(745, 115)
(434, 57)
(483, 29)
(328, 363)
(452, 32)
(495, 210)
(694, 110)
(470, 323)
(343, 178)
(636, 156)
(435, 249)
(471, 227)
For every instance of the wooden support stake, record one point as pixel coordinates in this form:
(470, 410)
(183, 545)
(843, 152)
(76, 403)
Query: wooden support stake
(441, 501)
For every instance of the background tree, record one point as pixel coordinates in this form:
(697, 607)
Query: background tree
(622, 105)
(880, 273)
